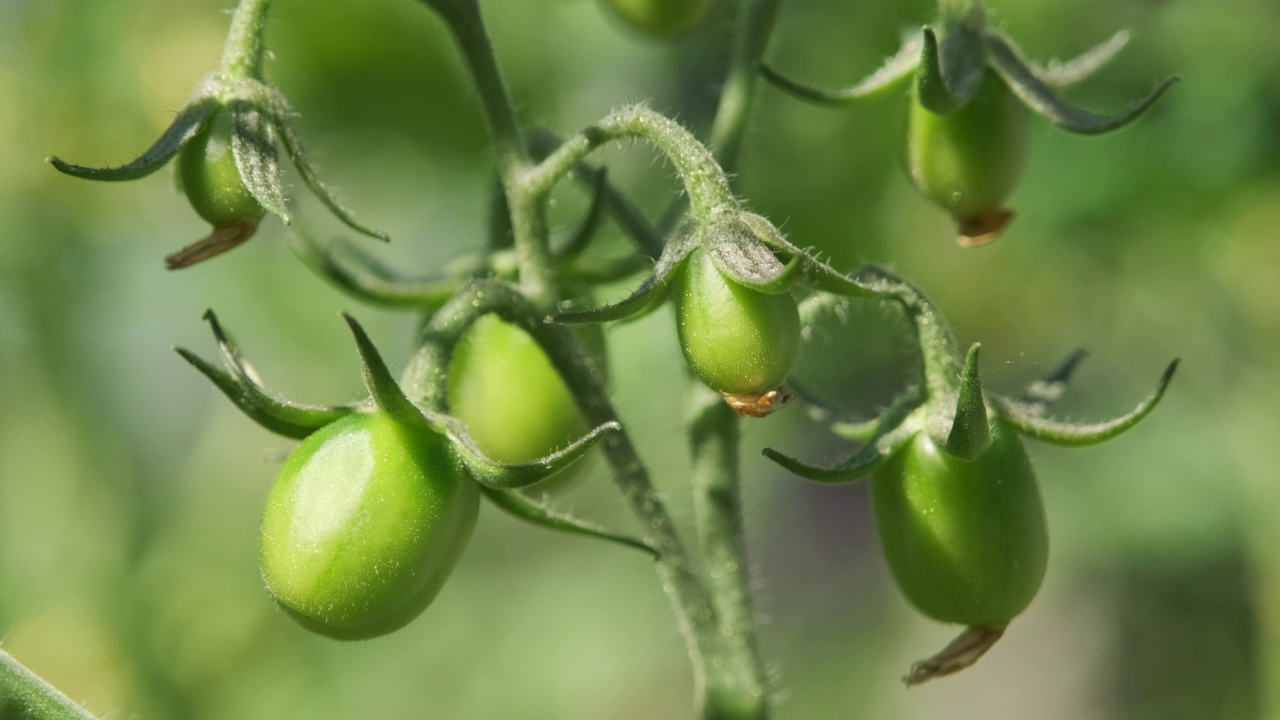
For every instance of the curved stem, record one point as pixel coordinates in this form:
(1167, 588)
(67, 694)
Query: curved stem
(242, 53)
(736, 683)
(25, 695)
(425, 382)
(705, 183)
(755, 23)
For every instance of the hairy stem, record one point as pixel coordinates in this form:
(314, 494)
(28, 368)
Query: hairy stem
(940, 352)
(528, 211)
(755, 23)
(24, 695)
(736, 683)
(242, 53)
(705, 183)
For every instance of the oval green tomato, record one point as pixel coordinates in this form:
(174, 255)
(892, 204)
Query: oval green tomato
(969, 161)
(502, 385)
(210, 179)
(660, 17)
(364, 524)
(966, 541)
(738, 341)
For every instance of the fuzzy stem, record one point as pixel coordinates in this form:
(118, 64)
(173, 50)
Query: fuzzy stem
(24, 695)
(242, 53)
(528, 211)
(940, 352)
(705, 183)
(755, 23)
(736, 684)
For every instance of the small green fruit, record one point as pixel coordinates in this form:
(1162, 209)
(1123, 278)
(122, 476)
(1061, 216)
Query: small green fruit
(364, 524)
(966, 540)
(969, 161)
(660, 17)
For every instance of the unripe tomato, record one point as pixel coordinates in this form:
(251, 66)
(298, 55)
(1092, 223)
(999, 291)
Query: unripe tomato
(737, 340)
(364, 524)
(969, 161)
(211, 180)
(966, 541)
(660, 17)
(502, 385)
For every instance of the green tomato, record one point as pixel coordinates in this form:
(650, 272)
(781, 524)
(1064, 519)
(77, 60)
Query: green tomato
(737, 340)
(210, 179)
(660, 17)
(514, 403)
(969, 161)
(966, 541)
(364, 524)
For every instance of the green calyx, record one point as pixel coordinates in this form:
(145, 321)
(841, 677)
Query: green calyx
(226, 141)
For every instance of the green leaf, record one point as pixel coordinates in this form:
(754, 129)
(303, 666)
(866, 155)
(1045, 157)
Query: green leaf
(520, 506)
(241, 385)
(187, 125)
(254, 148)
(1028, 421)
(888, 77)
(1038, 96)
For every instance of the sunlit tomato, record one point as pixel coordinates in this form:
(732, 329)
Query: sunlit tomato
(737, 340)
(364, 524)
(966, 541)
(210, 179)
(969, 161)
(660, 17)
(515, 405)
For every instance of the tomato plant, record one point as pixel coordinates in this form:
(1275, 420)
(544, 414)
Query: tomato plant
(211, 181)
(660, 17)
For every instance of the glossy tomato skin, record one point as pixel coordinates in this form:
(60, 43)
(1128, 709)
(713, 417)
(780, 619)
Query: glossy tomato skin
(966, 541)
(737, 340)
(210, 179)
(660, 17)
(363, 525)
(969, 161)
(503, 386)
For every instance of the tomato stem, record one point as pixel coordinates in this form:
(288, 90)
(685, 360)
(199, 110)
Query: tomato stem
(756, 19)
(243, 51)
(735, 677)
(24, 693)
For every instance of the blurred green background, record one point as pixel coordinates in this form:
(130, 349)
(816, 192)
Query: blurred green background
(130, 490)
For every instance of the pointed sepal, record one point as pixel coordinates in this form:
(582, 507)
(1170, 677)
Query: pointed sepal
(651, 292)
(382, 386)
(1046, 391)
(293, 148)
(889, 76)
(365, 278)
(185, 126)
(1030, 423)
(894, 430)
(1037, 95)
(1060, 74)
(521, 506)
(241, 385)
(950, 70)
(253, 144)
(503, 476)
(738, 251)
(969, 434)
